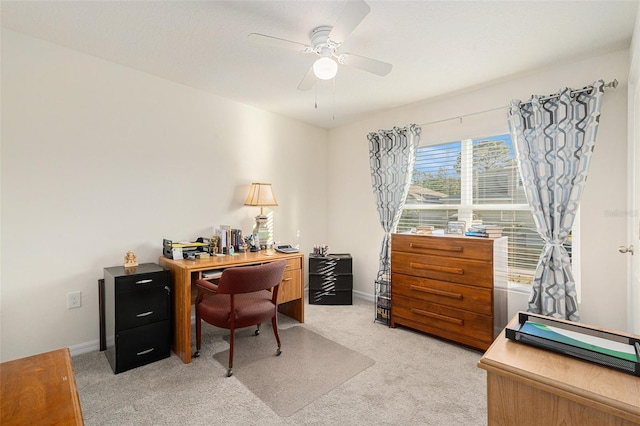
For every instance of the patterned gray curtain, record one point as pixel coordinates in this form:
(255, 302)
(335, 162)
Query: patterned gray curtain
(392, 154)
(554, 139)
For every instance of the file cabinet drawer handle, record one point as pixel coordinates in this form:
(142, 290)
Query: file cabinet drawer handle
(144, 314)
(457, 321)
(458, 271)
(144, 281)
(437, 292)
(145, 352)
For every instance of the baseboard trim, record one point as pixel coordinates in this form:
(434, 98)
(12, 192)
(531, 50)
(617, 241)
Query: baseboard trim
(83, 348)
(366, 296)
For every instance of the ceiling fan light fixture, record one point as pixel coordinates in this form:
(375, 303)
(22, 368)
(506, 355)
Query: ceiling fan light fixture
(325, 68)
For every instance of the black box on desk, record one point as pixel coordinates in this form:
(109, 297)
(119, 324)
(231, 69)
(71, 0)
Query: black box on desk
(330, 279)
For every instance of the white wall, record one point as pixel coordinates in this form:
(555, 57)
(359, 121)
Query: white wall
(98, 159)
(353, 221)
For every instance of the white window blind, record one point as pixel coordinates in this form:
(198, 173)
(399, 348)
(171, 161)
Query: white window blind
(475, 181)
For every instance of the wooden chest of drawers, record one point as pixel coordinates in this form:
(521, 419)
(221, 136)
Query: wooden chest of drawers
(444, 285)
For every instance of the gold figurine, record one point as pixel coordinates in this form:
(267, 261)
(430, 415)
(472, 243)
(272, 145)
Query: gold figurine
(130, 259)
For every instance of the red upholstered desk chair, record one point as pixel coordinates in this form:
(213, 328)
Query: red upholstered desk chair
(249, 292)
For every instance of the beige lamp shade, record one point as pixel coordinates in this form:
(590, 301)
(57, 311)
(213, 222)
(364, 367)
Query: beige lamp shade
(261, 194)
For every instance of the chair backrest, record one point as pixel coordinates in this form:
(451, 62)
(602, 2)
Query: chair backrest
(248, 279)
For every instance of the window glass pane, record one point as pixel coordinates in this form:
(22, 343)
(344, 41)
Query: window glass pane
(496, 179)
(435, 178)
(437, 218)
(525, 245)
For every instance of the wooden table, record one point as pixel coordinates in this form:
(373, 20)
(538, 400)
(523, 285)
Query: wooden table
(184, 272)
(39, 389)
(531, 386)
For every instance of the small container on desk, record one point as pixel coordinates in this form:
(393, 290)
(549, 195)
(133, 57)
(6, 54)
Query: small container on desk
(330, 279)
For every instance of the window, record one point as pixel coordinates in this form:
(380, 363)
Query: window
(475, 180)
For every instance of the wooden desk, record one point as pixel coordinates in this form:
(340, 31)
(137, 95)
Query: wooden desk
(531, 386)
(184, 272)
(39, 389)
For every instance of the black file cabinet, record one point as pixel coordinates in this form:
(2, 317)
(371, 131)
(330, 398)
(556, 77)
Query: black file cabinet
(137, 315)
(330, 279)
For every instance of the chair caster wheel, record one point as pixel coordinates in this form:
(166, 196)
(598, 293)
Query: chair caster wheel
(196, 354)
(229, 372)
(257, 332)
(278, 352)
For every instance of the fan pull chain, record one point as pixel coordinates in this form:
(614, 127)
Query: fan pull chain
(334, 99)
(315, 92)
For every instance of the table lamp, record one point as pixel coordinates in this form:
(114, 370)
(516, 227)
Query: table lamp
(261, 194)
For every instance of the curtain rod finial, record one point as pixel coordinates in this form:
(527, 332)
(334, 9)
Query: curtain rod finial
(613, 84)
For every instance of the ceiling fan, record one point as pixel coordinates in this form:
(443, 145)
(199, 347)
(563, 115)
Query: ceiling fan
(326, 42)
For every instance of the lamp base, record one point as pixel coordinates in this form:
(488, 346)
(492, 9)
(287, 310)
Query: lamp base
(262, 231)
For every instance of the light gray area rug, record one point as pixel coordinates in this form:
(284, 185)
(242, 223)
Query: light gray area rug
(310, 366)
(416, 380)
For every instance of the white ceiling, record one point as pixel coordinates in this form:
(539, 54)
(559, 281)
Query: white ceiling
(435, 47)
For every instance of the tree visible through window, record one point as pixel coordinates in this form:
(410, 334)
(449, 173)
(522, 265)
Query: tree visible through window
(477, 181)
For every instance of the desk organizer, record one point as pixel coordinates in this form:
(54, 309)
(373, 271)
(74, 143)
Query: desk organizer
(607, 348)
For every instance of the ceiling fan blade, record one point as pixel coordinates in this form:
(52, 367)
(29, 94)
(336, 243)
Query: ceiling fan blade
(308, 81)
(354, 12)
(276, 42)
(366, 64)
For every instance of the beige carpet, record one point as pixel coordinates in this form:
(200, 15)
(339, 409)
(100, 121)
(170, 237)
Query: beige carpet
(416, 381)
(310, 366)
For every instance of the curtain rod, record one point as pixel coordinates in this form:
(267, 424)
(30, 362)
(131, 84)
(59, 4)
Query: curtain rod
(612, 84)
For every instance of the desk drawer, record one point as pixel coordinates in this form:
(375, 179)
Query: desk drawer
(463, 248)
(290, 288)
(442, 320)
(468, 298)
(472, 272)
(293, 264)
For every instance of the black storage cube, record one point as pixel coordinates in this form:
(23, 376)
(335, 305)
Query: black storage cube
(330, 279)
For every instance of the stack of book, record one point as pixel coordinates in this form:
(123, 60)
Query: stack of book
(486, 231)
(427, 230)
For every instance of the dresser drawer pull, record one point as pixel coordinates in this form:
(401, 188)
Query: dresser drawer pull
(458, 271)
(457, 321)
(422, 246)
(437, 292)
(286, 279)
(144, 281)
(145, 352)
(144, 314)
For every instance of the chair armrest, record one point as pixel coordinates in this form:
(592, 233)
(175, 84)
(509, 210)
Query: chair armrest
(207, 285)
